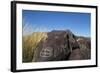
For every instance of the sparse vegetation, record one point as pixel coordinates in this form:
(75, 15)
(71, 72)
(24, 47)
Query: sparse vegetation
(29, 45)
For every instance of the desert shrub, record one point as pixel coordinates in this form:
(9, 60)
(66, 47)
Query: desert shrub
(30, 43)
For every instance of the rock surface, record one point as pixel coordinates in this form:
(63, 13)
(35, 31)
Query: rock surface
(62, 45)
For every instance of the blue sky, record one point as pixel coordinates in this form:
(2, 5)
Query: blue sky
(46, 21)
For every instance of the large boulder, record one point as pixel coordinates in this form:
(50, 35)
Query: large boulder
(56, 46)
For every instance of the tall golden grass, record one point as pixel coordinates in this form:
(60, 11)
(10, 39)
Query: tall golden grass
(30, 43)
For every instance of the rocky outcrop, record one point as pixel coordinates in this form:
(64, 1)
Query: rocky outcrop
(61, 45)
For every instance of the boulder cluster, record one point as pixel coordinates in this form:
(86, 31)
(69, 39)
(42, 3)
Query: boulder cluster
(61, 45)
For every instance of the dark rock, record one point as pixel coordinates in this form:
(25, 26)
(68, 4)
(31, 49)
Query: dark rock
(62, 45)
(84, 52)
(79, 54)
(75, 55)
(85, 47)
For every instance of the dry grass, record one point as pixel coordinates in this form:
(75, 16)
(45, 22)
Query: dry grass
(29, 45)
